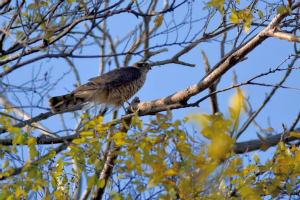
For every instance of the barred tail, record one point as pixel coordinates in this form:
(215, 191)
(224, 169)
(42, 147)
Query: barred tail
(68, 101)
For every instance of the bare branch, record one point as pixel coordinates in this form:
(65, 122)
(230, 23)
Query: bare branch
(213, 98)
(220, 68)
(282, 35)
(243, 147)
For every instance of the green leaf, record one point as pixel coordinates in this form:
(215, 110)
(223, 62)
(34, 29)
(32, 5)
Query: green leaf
(234, 19)
(280, 9)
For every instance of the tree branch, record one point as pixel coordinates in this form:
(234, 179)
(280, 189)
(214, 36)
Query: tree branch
(242, 147)
(230, 60)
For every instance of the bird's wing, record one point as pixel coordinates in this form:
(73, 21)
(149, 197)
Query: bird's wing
(112, 79)
(117, 77)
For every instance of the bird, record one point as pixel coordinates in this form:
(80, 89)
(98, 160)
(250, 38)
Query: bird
(113, 88)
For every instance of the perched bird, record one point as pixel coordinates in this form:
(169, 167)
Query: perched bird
(111, 89)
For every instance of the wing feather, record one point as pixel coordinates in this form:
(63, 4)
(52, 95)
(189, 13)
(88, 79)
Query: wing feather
(112, 79)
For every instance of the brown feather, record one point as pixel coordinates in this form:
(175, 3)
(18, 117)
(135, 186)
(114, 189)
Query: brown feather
(113, 88)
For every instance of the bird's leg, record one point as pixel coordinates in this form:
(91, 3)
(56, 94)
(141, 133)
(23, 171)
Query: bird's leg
(124, 108)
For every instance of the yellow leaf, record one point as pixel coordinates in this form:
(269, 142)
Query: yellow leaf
(234, 18)
(232, 112)
(237, 100)
(119, 135)
(294, 134)
(170, 182)
(249, 169)
(58, 194)
(31, 6)
(48, 34)
(247, 29)
(270, 129)
(32, 141)
(242, 14)
(170, 172)
(5, 164)
(53, 183)
(92, 181)
(260, 14)
(280, 9)
(265, 147)
(120, 176)
(19, 33)
(33, 152)
(140, 125)
(289, 188)
(289, 10)
(86, 133)
(255, 158)
(192, 139)
(260, 137)
(100, 183)
(158, 20)
(248, 23)
(43, 3)
(18, 192)
(185, 119)
(62, 21)
(5, 67)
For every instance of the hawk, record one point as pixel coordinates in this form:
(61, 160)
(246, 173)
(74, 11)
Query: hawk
(111, 89)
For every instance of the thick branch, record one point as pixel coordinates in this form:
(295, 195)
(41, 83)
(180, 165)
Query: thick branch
(284, 36)
(242, 147)
(230, 60)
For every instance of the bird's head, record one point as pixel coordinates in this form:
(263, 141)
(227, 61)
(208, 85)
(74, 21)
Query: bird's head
(143, 66)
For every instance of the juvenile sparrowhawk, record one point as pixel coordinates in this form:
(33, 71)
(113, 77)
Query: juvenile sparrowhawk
(111, 89)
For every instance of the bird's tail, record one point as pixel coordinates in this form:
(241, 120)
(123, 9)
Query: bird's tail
(64, 102)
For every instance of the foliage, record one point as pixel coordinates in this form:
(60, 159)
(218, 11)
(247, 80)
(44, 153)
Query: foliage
(158, 157)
